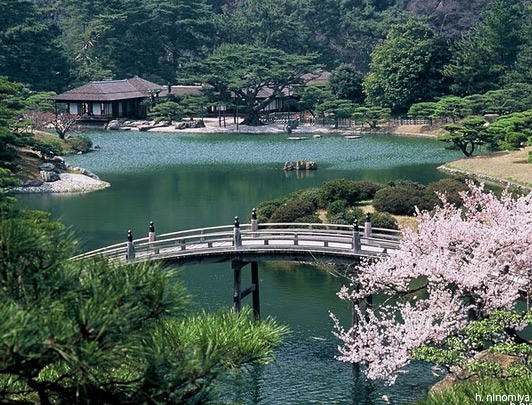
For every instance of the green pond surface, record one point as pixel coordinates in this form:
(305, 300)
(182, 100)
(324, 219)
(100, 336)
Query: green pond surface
(183, 181)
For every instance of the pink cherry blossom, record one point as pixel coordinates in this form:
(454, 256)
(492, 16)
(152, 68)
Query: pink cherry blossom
(473, 259)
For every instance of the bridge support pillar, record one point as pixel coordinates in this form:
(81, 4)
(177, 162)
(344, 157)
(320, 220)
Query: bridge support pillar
(237, 236)
(130, 249)
(237, 284)
(255, 282)
(254, 222)
(356, 237)
(253, 289)
(369, 305)
(152, 238)
(363, 307)
(355, 314)
(367, 226)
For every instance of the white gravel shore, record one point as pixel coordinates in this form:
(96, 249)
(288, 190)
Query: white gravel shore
(69, 183)
(213, 128)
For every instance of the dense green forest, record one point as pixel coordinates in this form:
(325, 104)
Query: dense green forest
(425, 59)
(56, 44)
(405, 51)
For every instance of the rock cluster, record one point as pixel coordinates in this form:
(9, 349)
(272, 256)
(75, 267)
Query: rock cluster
(113, 125)
(84, 172)
(301, 165)
(49, 172)
(128, 125)
(291, 125)
(190, 124)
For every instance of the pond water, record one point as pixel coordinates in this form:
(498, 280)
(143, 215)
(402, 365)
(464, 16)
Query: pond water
(182, 181)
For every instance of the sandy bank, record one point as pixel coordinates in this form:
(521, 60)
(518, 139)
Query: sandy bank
(69, 183)
(504, 168)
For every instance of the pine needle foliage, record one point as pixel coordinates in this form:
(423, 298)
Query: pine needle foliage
(93, 332)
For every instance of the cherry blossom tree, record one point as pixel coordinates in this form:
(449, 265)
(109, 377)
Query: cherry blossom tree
(462, 266)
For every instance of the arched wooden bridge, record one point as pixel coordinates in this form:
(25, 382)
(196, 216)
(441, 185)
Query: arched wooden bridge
(244, 244)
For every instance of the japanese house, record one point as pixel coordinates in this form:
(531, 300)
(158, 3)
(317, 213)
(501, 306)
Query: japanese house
(110, 99)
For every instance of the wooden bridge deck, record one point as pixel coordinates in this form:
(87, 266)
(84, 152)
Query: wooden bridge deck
(256, 242)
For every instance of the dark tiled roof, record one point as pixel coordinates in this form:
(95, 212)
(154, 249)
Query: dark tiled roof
(321, 76)
(187, 90)
(111, 90)
(267, 92)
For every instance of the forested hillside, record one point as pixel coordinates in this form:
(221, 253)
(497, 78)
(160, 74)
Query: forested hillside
(56, 44)
(385, 54)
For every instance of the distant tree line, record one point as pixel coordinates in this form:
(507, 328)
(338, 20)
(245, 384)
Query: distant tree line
(385, 57)
(57, 44)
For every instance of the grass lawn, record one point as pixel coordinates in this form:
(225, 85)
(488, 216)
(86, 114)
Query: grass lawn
(28, 162)
(511, 167)
(488, 391)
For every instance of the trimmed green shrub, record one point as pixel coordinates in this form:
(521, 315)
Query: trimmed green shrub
(309, 219)
(309, 194)
(383, 220)
(367, 189)
(80, 143)
(347, 217)
(401, 198)
(266, 209)
(336, 207)
(49, 147)
(166, 111)
(530, 157)
(450, 187)
(293, 209)
(355, 213)
(339, 189)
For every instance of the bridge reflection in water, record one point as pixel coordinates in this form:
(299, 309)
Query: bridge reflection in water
(244, 244)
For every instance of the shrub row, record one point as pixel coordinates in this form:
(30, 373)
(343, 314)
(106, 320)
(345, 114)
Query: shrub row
(401, 197)
(339, 198)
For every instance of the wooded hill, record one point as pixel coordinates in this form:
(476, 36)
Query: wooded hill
(57, 44)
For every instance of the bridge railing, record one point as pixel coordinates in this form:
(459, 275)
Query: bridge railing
(249, 236)
(383, 233)
(165, 240)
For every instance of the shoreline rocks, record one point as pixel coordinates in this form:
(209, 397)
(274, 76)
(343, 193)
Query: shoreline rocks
(59, 177)
(67, 183)
(49, 173)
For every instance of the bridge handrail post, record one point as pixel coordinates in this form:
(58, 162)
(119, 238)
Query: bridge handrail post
(356, 237)
(130, 249)
(367, 226)
(254, 222)
(237, 236)
(152, 237)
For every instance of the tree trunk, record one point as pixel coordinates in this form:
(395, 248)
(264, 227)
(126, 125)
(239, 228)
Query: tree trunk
(252, 118)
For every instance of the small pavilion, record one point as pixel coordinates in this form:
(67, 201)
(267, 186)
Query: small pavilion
(111, 99)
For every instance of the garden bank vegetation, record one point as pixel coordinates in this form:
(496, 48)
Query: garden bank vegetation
(96, 332)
